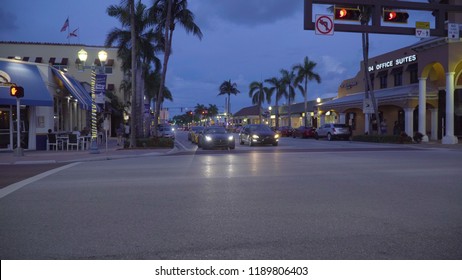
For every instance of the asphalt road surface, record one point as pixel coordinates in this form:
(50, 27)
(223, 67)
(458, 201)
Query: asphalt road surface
(340, 203)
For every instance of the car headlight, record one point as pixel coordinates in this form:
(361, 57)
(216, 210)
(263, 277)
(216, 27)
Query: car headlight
(208, 138)
(254, 136)
(231, 138)
(276, 136)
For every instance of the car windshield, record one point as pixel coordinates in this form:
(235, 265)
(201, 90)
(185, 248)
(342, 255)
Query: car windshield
(263, 128)
(216, 130)
(340, 125)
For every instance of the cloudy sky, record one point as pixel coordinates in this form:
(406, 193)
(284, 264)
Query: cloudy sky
(244, 40)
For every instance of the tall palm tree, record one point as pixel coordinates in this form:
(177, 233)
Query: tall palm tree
(169, 13)
(276, 85)
(228, 87)
(259, 94)
(144, 47)
(289, 87)
(305, 73)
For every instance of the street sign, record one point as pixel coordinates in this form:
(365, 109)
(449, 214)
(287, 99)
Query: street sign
(324, 25)
(367, 106)
(422, 33)
(422, 25)
(422, 29)
(453, 31)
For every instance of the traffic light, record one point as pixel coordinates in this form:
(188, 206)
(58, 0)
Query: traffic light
(342, 13)
(395, 17)
(16, 91)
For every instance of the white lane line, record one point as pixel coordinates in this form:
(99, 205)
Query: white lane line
(16, 186)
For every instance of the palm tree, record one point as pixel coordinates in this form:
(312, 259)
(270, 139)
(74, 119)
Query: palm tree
(228, 87)
(277, 86)
(212, 110)
(144, 47)
(259, 94)
(168, 13)
(289, 86)
(305, 73)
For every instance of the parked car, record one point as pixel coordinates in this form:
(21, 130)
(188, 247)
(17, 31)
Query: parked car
(194, 132)
(216, 137)
(286, 131)
(333, 130)
(166, 132)
(258, 134)
(304, 132)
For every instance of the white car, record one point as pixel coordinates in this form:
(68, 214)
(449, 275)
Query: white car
(166, 132)
(333, 130)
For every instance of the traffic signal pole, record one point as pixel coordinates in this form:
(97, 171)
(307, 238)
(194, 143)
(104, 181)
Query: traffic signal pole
(18, 151)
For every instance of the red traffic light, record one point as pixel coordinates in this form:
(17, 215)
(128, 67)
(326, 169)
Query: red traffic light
(342, 13)
(16, 91)
(395, 17)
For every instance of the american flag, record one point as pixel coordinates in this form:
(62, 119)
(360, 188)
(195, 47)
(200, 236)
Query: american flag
(73, 33)
(65, 25)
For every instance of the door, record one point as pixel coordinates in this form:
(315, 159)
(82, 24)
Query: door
(6, 127)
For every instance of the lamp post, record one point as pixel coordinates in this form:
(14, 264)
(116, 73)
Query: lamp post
(96, 84)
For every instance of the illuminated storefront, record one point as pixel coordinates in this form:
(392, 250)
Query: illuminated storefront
(418, 89)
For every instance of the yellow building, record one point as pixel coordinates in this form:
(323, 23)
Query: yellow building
(57, 89)
(418, 89)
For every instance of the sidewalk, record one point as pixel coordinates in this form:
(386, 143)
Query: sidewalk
(112, 152)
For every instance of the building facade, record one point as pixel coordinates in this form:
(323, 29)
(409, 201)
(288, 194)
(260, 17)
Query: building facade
(417, 88)
(57, 89)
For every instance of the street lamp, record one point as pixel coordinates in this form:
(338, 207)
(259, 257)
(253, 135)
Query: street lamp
(98, 83)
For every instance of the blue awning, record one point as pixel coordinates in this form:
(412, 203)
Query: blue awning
(28, 76)
(74, 87)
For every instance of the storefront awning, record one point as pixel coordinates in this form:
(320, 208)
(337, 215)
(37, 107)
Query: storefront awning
(28, 76)
(73, 87)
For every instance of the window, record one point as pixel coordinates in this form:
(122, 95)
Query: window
(398, 76)
(383, 81)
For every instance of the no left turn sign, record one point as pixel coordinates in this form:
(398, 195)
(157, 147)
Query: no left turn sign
(324, 25)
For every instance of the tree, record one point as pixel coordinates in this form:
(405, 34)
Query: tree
(305, 73)
(136, 52)
(259, 94)
(276, 85)
(228, 87)
(289, 86)
(169, 13)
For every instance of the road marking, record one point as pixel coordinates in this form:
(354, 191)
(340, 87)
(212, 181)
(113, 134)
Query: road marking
(16, 186)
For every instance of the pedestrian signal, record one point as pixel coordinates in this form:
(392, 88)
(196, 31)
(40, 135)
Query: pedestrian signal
(16, 91)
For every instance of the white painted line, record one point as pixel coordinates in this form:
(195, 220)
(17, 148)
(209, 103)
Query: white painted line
(16, 186)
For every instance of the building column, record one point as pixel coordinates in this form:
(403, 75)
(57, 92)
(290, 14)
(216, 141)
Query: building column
(342, 118)
(449, 138)
(409, 121)
(423, 108)
(434, 128)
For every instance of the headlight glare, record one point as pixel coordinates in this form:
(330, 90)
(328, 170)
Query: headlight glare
(208, 138)
(254, 136)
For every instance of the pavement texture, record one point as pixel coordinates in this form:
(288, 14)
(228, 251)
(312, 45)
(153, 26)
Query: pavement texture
(109, 152)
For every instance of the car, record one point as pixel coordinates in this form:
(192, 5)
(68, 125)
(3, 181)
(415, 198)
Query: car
(252, 134)
(216, 137)
(194, 132)
(332, 131)
(304, 132)
(166, 132)
(286, 131)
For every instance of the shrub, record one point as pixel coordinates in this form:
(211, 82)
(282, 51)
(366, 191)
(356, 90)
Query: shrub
(152, 142)
(397, 139)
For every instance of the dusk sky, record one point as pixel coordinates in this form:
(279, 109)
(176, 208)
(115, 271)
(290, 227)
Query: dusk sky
(244, 40)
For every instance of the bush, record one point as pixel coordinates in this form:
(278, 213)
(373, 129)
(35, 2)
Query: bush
(152, 142)
(396, 139)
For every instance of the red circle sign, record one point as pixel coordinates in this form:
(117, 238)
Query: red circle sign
(324, 25)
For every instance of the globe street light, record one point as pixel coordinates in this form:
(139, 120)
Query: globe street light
(98, 82)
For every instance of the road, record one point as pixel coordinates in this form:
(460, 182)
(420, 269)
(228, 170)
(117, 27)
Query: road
(304, 199)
